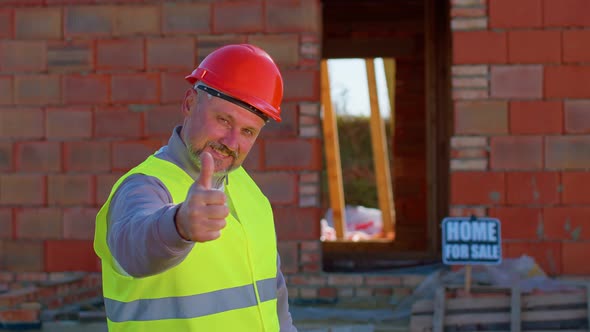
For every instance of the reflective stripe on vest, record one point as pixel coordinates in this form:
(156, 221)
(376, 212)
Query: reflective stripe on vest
(191, 306)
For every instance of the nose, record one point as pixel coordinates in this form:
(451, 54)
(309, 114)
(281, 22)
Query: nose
(231, 140)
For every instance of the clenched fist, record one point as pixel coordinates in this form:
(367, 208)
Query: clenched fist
(201, 217)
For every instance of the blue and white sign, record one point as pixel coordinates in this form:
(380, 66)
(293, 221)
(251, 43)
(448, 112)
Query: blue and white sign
(472, 240)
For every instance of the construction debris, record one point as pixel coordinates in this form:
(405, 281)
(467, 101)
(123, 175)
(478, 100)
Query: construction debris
(71, 296)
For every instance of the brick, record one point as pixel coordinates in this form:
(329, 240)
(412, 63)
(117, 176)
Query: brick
(86, 89)
(37, 90)
(39, 223)
(567, 152)
(70, 56)
(104, 184)
(47, 23)
(146, 20)
(517, 81)
(383, 280)
(22, 256)
(472, 47)
(135, 88)
(6, 156)
(566, 223)
(68, 123)
(576, 46)
(6, 90)
(490, 188)
(93, 156)
(504, 14)
(536, 117)
(190, 18)
(479, 23)
(279, 188)
(6, 23)
(292, 154)
(207, 44)
(470, 82)
(283, 48)
(89, 21)
(160, 121)
(6, 224)
(481, 117)
(118, 54)
(21, 123)
(516, 152)
(469, 164)
(117, 123)
(128, 154)
(22, 189)
(519, 223)
(301, 85)
(345, 280)
(38, 156)
(288, 125)
(567, 81)
(467, 12)
(470, 153)
(22, 56)
(469, 70)
(170, 53)
(297, 223)
(470, 94)
(577, 116)
(79, 223)
(566, 13)
(70, 189)
(81, 256)
(534, 46)
(575, 190)
(253, 161)
(293, 16)
(548, 255)
(289, 256)
(532, 188)
(174, 87)
(574, 257)
(237, 17)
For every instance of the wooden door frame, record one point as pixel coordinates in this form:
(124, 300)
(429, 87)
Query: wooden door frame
(439, 121)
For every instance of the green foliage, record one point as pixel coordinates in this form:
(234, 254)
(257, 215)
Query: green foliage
(356, 157)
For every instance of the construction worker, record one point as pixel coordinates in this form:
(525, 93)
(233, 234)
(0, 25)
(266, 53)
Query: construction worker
(186, 238)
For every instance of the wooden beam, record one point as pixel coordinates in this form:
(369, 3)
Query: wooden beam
(332, 149)
(390, 66)
(380, 155)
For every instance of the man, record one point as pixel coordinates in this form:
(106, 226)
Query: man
(186, 238)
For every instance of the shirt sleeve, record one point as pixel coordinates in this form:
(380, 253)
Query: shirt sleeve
(285, 319)
(142, 235)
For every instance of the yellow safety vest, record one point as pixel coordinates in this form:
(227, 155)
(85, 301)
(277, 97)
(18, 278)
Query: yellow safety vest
(228, 284)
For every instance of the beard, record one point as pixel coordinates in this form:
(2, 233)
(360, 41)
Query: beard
(219, 174)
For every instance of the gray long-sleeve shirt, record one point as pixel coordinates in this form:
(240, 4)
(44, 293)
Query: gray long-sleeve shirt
(142, 235)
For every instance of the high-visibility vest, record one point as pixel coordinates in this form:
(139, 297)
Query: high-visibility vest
(228, 284)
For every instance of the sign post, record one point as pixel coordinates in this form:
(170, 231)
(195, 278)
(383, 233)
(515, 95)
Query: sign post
(471, 241)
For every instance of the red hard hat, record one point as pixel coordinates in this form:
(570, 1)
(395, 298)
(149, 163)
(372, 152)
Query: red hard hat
(246, 73)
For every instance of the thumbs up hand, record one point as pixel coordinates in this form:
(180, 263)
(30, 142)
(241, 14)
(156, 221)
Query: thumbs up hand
(201, 217)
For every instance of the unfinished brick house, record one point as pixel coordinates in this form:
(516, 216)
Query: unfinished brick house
(492, 116)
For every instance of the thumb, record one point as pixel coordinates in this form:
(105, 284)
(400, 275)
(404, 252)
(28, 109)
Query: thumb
(207, 169)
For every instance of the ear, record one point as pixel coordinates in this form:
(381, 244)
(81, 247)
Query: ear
(190, 100)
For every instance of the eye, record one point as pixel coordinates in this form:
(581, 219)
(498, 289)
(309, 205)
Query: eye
(223, 120)
(248, 132)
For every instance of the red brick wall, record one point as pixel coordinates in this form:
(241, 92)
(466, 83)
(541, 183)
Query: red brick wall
(521, 86)
(90, 88)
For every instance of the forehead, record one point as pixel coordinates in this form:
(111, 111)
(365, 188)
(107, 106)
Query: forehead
(239, 115)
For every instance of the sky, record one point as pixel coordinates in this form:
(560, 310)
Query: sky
(348, 82)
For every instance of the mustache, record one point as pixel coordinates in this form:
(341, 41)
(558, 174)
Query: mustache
(223, 149)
